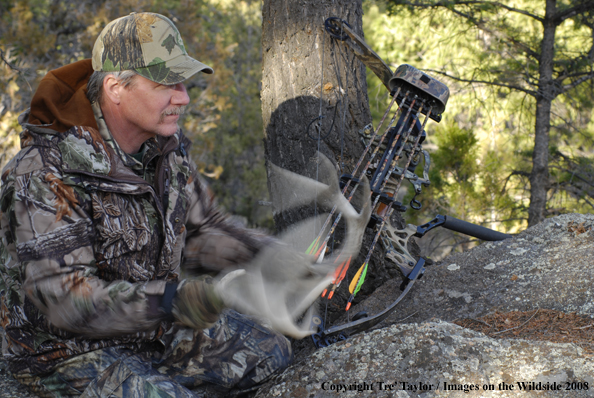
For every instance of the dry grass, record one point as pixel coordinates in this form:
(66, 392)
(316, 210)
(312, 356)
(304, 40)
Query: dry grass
(540, 324)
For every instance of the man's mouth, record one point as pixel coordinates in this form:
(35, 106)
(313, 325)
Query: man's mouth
(175, 111)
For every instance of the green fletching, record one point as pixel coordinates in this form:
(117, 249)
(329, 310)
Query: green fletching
(358, 279)
(313, 247)
(361, 280)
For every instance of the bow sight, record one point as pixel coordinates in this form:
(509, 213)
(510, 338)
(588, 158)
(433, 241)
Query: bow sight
(401, 147)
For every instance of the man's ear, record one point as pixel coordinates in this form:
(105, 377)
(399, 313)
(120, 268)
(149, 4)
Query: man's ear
(112, 89)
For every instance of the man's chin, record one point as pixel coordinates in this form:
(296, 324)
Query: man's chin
(168, 132)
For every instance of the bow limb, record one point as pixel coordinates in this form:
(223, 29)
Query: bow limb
(363, 324)
(366, 55)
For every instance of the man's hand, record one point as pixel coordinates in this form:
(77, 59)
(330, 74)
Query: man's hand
(197, 303)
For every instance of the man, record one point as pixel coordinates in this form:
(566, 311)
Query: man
(102, 209)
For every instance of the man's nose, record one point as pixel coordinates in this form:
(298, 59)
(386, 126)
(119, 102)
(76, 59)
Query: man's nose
(180, 95)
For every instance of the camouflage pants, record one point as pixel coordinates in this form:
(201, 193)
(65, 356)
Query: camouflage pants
(236, 353)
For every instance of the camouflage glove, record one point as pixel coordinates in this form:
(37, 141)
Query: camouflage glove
(197, 304)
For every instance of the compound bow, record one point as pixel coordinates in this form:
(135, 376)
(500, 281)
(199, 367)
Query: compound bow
(416, 94)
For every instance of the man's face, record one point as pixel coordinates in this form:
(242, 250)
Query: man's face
(150, 108)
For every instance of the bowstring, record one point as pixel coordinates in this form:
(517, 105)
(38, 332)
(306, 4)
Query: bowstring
(319, 139)
(342, 122)
(343, 94)
(320, 117)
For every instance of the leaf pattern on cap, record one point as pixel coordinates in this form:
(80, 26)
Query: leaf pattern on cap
(169, 43)
(123, 50)
(158, 71)
(143, 27)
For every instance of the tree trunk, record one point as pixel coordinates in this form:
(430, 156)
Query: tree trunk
(300, 64)
(539, 177)
(305, 71)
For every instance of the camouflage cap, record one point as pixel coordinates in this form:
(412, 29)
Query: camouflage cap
(147, 43)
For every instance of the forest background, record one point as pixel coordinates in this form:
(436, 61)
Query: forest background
(481, 151)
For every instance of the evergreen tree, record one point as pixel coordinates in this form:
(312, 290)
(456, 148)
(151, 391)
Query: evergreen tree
(542, 50)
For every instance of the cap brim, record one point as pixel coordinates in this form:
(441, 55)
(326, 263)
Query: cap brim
(174, 71)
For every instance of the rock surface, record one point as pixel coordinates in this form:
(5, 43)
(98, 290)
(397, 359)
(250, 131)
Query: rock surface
(549, 266)
(421, 360)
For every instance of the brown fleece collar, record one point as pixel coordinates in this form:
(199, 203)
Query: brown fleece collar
(61, 101)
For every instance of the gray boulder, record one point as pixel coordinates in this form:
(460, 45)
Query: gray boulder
(549, 266)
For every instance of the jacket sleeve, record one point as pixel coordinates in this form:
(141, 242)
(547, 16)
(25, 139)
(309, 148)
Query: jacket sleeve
(214, 242)
(49, 238)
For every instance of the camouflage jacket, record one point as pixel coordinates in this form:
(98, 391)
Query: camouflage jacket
(91, 238)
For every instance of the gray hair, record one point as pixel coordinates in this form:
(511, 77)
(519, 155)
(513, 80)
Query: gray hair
(95, 84)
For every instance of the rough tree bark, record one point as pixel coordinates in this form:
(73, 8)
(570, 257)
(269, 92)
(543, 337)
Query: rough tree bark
(300, 63)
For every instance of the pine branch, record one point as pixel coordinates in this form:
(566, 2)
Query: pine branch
(573, 11)
(480, 24)
(448, 4)
(579, 81)
(510, 86)
(11, 66)
(505, 7)
(513, 173)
